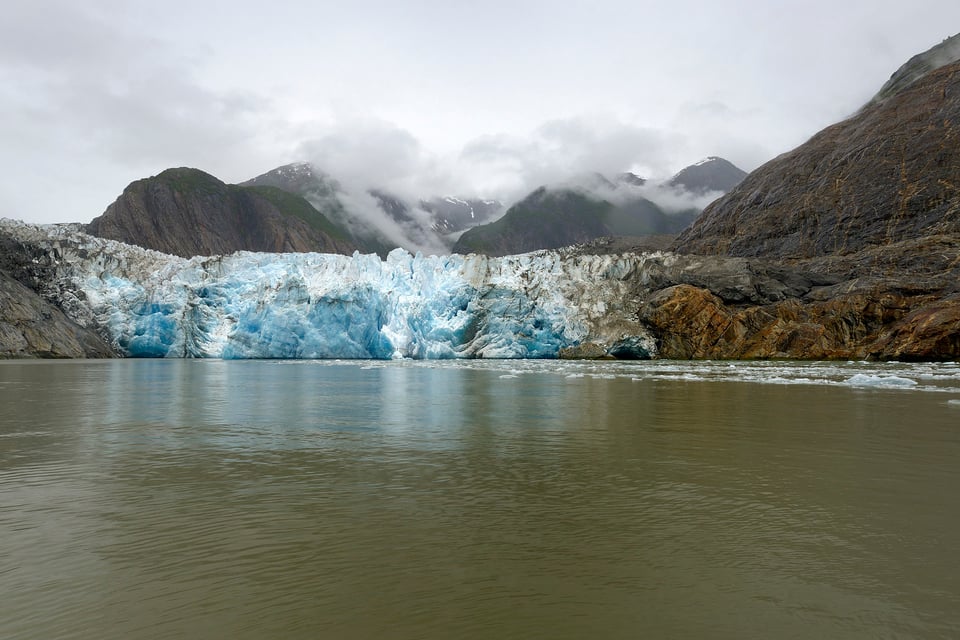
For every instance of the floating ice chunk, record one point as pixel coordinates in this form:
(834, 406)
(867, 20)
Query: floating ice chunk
(869, 380)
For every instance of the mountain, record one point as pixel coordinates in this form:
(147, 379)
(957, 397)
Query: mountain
(445, 215)
(710, 174)
(891, 172)
(631, 179)
(553, 218)
(847, 247)
(595, 207)
(303, 179)
(187, 212)
(545, 219)
(864, 219)
(918, 66)
(323, 193)
(452, 214)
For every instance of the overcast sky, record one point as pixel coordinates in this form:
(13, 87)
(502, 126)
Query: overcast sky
(425, 97)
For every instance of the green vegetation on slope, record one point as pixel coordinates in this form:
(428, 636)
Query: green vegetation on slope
(194, 181)
(543, 220)
(290, 204)
(548, 219)
(187, 180)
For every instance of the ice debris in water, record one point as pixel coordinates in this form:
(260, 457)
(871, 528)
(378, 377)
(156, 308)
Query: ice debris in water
(869, 380)
(310, 305)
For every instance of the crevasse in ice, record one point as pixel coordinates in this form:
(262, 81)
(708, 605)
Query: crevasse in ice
(258, 305)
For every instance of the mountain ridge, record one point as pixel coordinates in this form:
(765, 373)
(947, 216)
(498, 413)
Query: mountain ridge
(594, 206)
(187, 212)
(889, 172)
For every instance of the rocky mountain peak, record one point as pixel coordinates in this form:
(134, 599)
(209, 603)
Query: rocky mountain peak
(186, 212)
(889, 173)
(919, 65)
(631, 178)
(710, 174)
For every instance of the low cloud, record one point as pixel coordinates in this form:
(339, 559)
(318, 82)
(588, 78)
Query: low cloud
(369, 155)
(365, 155)
(82, 88)
(562, 149)
(670, 199)
(98, 104)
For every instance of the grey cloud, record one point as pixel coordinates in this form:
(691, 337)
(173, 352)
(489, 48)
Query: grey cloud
(368, 154)
(562, 149)
(375, 154)
(76, 84)
(95, 94)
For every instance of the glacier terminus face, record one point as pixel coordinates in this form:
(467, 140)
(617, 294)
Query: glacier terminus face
(309, 305)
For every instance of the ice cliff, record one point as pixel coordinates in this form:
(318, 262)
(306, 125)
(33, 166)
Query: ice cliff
(310, 305)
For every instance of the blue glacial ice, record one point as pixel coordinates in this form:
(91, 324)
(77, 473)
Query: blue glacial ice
(258, 305)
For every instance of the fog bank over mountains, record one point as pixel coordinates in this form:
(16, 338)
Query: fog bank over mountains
(300, 208)
(381, 215)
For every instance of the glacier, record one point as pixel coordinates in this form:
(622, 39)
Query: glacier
(314, 306)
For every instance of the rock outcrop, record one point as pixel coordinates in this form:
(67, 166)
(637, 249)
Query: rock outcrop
(848, 321)
(30, 326)
(187, 212)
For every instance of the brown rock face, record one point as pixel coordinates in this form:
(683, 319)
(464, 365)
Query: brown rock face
(889, 173)
(187, 212)
(691, 322)
(932, 329)
(30, 326)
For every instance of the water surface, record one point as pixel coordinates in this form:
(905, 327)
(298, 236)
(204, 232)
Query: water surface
(264, 499)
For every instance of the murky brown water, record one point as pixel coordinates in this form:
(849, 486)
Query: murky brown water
(206, 499)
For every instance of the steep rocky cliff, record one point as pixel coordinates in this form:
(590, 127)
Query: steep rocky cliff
(30, 326)
(871, 204)
(900, 302)
(187, 212)
(889, 173)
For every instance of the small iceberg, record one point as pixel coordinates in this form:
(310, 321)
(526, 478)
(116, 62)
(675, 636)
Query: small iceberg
(868, 380)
